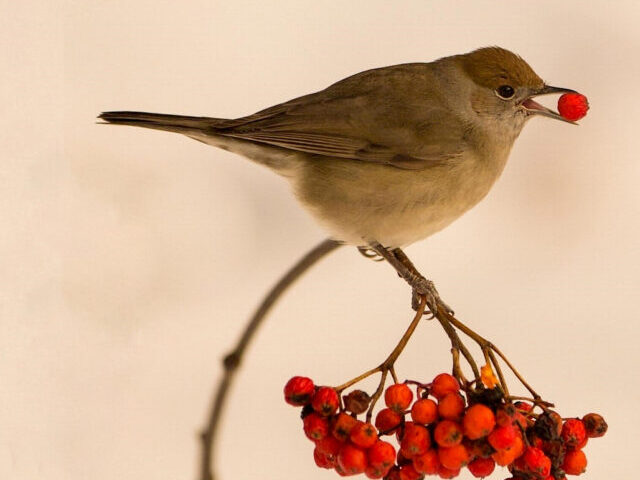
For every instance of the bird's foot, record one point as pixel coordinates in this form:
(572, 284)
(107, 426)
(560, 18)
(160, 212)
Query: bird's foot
(425, 288)
(371, 254)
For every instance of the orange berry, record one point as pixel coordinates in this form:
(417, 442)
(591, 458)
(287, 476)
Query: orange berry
(325, 401)
(415, 440)
(454, 457)
(381, 455)
(398, 397)
(443, 384)
(387, 420)
(363, 434)
(506, 456)
(427, 463)
(478, 421)
(342, 425)
(575, 462)
(482, 467)
(448, 433)
(594, 425)
(424, 411)
(451, 406)
(352, 460)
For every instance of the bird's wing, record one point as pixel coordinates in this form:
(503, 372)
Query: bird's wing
(389, 116)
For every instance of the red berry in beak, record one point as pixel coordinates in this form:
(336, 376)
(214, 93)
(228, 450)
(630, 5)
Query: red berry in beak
(573, 106)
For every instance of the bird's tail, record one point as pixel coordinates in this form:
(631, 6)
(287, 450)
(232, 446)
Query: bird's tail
(161, 121)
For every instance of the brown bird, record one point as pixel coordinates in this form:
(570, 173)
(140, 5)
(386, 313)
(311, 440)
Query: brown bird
(388, 156)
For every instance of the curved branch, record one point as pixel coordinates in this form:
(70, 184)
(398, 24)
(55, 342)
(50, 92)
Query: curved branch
(232, 361)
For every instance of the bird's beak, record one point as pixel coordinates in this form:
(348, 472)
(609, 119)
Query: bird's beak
(532, 107)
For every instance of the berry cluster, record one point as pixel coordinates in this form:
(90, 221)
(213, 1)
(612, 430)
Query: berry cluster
(442, 431)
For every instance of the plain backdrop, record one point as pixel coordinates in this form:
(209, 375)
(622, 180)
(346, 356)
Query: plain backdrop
(130, 259)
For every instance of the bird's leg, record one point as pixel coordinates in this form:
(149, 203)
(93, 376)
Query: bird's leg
(407, 271)
(415, 301)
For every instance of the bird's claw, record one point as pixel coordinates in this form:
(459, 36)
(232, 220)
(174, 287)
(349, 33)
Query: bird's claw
(426, 288)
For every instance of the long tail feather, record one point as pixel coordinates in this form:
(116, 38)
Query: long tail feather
(161, 121)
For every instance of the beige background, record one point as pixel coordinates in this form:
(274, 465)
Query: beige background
(130, 258)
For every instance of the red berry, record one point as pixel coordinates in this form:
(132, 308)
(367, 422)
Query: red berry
(502, 437)
(381, 455)
(315, 426)
(443, 384)
(329, 445)
(407, 472)
(573, 433)
(573, 106)
(444, 472)
(325, 401)
(298, 391)
(323, 460)
(393, 474)
(575, 462)
(387, 420)
(447, 433)
(594, 425)
(427, 463)
(523, 407)
(352, 460)
(341, 426)
(482, 467)
(536, 462)
(451, 406)
(415, 440)
(454, 457)
(340, 471)
(478, 421)
(372, 472)
(363, 434)
(398, 397)
(424, 411)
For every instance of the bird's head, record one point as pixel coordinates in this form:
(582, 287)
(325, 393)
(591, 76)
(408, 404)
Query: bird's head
(504, 87)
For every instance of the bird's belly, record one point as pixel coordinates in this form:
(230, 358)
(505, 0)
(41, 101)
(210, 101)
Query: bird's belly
(365, 202)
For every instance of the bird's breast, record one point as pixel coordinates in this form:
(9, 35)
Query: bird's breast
(360, 202)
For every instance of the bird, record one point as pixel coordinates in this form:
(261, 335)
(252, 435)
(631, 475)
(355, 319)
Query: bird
(388, 156)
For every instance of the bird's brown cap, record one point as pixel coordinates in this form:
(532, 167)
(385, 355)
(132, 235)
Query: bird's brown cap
(492, 67)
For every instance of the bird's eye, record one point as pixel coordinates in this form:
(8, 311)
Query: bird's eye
(505, 91)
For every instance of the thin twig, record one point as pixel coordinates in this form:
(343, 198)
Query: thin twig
(232, 361)
(486, 344)
(393, 356)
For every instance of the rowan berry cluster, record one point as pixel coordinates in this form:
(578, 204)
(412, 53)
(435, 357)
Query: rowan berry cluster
(444, 430)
